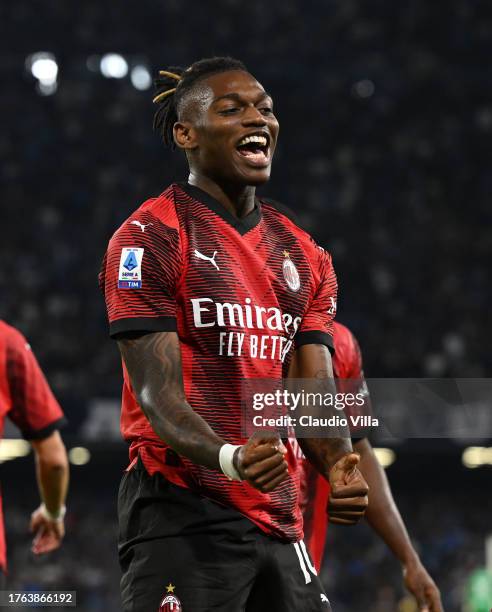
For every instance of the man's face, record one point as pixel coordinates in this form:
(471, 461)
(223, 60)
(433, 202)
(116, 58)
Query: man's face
(235, 130)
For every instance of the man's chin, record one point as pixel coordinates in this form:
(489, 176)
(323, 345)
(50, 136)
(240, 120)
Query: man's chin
(255, 177)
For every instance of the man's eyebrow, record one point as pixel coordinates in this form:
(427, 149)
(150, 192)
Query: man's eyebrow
(237, 98)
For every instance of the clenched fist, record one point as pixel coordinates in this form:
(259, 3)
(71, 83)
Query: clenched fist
(261, 461)
(348, 499)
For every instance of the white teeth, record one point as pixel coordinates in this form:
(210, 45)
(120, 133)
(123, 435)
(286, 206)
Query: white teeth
(261, 140)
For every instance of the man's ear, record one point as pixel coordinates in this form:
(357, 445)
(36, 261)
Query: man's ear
(185, 135)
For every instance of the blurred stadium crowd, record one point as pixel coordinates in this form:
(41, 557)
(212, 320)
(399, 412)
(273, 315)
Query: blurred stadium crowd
(386, 124)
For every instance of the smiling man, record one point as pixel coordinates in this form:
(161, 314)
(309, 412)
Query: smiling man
(206, 285)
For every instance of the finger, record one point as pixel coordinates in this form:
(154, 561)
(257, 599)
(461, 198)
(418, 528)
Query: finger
(336, 520)
(45, 547)
(273, 483)
(421, 599)
(35, 523)
(347, 463)
(264, 437)
(271, 475)
(281, 447)
(355, 489)
(37, 540)
(350, 461)
(47, 542)
(259, 453)
(262, 467)
(434, 599)
(267, 438)
(348, 503)
(354, 517)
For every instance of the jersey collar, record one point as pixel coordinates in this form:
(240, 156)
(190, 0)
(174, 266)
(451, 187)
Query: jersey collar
(242, 226)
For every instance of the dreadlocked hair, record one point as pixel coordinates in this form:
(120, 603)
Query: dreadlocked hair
(175, 82)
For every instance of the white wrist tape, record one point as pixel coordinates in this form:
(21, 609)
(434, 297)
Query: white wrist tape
(226, 455)
(57, 518)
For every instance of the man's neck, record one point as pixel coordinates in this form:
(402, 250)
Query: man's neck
(239, 201)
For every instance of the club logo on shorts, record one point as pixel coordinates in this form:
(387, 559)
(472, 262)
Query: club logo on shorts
(291, 275)
(170, 603)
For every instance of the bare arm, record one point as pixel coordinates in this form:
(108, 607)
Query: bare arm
(314, 361)
(384, 517)
(153, 362)
(52, 476)
(333, 457)
(51, 471)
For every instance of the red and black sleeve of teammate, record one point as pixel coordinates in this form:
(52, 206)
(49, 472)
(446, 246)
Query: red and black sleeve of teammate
(315, 490)
(25, 396)
(34, 408)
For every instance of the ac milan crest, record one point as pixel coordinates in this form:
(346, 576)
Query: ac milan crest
(291, 274)
(170, 602)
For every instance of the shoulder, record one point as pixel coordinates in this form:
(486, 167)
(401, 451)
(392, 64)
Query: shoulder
(281, 210)
(153, 214)
(347, 353)
(289, 219)
(153, 223)
(10, 336)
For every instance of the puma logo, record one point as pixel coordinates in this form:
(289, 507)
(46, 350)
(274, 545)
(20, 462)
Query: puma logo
(140, 225)
(206, 258)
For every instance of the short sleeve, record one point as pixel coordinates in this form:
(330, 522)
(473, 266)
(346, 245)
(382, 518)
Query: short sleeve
(139, 275)
(317, 324)
(34, 408)
(349, 372)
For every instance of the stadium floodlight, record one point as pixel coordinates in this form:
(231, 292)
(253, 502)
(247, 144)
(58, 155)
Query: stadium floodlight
(477, 456)
(78, 455)
(44, 68)
(13, 448)
(113, 66)
(385, 456)
(140, 77)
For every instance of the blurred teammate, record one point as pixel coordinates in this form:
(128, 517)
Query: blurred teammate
(382, 512)
(27, 400)
(207, 285)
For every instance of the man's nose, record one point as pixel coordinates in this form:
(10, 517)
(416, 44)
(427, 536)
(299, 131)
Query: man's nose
(253, 116)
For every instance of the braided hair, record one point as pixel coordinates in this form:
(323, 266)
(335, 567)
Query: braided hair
(174, 83)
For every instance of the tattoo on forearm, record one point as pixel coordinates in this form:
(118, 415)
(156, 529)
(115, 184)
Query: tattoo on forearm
(153, 362)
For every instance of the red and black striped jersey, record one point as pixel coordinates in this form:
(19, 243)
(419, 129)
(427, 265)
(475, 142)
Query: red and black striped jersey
(240, 293)
(315, 490)
(25, 397)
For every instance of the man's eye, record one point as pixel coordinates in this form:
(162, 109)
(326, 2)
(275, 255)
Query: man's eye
(266, 110)
(229, 111)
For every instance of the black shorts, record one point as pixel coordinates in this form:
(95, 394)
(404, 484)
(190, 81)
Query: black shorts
(173, 543)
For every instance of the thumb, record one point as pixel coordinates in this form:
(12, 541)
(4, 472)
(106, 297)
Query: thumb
(350, 461)
(280, 446)
(268, 437)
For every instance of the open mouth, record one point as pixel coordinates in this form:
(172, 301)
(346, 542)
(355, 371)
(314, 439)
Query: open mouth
(255, 148)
